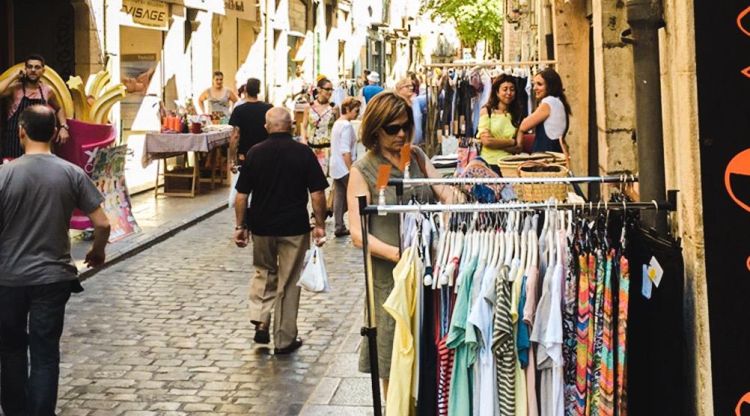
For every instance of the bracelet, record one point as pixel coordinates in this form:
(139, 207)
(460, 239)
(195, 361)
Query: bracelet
(240, 227)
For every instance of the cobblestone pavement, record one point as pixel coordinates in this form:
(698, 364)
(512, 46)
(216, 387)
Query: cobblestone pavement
(166, 332)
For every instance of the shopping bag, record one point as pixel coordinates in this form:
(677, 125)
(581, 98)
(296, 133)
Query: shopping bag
(314, 276)
(233, 192)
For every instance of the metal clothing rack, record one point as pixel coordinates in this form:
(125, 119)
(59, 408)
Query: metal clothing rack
(399, 183)
(365, 210)
(490, 63)
(668, 205)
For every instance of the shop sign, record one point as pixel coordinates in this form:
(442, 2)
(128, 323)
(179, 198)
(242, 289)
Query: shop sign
(722, 42)
(151, 13)
(241, 9)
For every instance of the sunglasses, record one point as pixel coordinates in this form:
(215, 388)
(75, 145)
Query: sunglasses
(393, 129)
(327, 89)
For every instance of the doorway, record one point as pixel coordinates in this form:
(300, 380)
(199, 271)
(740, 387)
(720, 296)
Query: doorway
(56, 43)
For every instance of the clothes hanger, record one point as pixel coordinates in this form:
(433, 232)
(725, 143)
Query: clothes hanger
(546, 222)
(502, 249)
(428, 227)
(449, 266)
(560, 248)
(495, 237)
(456, 256)
(444, 246)
(523, 249)
(491, 245)
(465, 258)
(551, 241)
(517, 236)
(509, 242)
(534, 244)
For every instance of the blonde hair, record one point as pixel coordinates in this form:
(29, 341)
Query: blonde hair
(404, 82)
(382, 109)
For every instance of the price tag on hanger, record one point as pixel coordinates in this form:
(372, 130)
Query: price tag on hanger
(655, 271)
(647, 284)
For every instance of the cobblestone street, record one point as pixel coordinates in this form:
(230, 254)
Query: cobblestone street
(166, 332)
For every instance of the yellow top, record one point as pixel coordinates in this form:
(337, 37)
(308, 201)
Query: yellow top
(500, 126)
(401, 304)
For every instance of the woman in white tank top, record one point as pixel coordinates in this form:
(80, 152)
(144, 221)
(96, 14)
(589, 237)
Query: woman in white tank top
(550, 119)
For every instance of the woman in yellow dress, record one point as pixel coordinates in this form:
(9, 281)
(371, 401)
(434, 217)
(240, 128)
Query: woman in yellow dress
(498, 123)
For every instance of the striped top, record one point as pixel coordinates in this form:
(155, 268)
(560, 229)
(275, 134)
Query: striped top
(503, 345)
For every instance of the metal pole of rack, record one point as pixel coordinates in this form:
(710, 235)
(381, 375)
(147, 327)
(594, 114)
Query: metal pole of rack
(370, 331)
(497, 181)
(400, 201)
(669, 205)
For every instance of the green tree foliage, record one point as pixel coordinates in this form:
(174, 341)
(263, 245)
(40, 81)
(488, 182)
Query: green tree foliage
(475, 20)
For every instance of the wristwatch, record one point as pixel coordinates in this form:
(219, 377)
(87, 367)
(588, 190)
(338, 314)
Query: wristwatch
(64, 126)
(240, 227)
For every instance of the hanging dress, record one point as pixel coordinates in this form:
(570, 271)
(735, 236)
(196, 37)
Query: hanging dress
(401, 305)
(504, 346)
(10, 148)
(547, 333)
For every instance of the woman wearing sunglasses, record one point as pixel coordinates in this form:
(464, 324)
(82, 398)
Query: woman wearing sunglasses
(387, 125)
(317, 123)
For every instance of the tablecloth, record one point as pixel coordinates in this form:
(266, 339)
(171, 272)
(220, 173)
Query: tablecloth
(159, 145)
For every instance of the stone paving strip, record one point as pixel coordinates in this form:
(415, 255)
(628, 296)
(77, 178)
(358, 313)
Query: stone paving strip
(166, 332)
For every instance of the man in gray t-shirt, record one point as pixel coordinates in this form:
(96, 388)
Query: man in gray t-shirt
(38, 193)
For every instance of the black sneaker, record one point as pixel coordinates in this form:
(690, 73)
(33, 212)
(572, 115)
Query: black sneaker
(343, 233)
(261, 334)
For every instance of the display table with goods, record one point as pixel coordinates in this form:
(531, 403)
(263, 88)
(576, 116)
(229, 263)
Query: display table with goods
(206, 165)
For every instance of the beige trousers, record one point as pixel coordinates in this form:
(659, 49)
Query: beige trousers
(278, 264)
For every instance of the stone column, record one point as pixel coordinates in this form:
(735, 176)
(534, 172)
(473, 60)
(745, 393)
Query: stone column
(88, 54)
(572, 37)
(615, 100)
(683, 172)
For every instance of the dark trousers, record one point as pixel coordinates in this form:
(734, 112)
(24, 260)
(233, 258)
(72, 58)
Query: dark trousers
(339, 202)
(42, 309)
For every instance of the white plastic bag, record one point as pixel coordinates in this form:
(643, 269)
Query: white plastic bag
(314, 277)
(233, 192)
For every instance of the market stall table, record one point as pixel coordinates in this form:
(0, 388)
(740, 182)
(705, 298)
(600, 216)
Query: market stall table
(160, 146)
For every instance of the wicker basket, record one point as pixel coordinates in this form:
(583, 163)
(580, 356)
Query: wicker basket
(539, 192)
